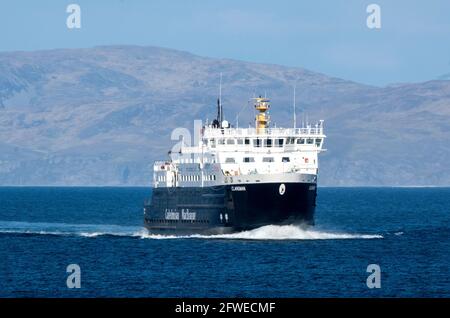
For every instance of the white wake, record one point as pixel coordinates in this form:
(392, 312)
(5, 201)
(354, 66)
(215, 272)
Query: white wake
(275, 232)
(65, 229)
(269, 232)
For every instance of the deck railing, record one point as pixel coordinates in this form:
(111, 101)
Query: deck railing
(253, 132)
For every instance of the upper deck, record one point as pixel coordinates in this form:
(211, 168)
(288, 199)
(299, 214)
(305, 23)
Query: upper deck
(316, 131)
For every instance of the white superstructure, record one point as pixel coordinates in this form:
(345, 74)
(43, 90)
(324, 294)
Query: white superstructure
(226, 155)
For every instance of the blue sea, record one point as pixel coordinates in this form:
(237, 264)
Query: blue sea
(405, 231)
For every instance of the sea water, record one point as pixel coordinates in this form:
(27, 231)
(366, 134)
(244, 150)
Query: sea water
(43, 230)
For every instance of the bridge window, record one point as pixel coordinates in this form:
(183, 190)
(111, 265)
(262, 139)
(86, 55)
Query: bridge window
(249, 159)
(230, 160)
(221, 141)
(318, 142)
(212, 142)
(257, 142)
(268, 143)
(240, 141)
(279, 142)
(268, 159)
(285, 159)
(300, 141)
(309, 141)
(230, 141)
(247, 141)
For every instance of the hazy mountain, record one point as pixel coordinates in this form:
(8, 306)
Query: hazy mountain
(100, 116)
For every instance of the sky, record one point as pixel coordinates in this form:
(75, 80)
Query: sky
(331, 37)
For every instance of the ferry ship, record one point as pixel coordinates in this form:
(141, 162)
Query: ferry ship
(236, 179)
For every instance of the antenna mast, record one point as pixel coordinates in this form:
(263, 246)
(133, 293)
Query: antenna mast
(295, 114)
(218, 121)
(220, 100)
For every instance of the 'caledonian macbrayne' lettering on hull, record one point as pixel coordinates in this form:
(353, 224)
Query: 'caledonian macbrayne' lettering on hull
(237, 179)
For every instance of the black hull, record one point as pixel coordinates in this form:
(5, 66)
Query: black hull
(229, 208)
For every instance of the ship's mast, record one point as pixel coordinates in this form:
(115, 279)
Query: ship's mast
(295, 114)
(220, 100)
(219, 119)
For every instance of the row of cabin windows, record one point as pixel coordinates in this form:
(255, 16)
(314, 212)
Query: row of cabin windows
(258, 142)
(252, 159)
(195, 177)
(161, 178)
(189, 177)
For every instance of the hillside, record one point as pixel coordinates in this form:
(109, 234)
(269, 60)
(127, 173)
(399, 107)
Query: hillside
(100, 116)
